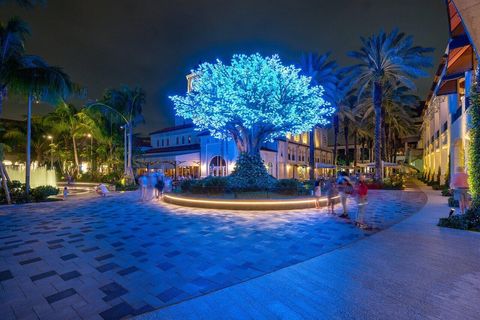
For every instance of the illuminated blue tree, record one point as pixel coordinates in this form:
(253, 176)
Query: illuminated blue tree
(252, 100)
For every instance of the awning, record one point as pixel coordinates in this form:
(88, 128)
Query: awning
(325, 166)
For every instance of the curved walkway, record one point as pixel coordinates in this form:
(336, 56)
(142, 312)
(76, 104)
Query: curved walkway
(413, 270)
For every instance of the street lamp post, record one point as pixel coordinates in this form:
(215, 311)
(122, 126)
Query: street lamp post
(49, 137)
(91, 151)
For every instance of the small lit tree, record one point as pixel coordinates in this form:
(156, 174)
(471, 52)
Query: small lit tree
(252, 100)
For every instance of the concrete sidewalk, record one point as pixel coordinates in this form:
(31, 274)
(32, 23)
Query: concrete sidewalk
(413, 270)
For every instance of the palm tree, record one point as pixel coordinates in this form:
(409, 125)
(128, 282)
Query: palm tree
(66, 119)
(129, 103)
(387, 58)
(322, 72)
(397, 116)
(12, 48)
(40, 81)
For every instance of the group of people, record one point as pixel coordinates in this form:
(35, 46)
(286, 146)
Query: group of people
(153, 185)
(341, 188)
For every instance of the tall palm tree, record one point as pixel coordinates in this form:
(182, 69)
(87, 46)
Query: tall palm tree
(387, 58)
(42, 82)
(322, 72)
(12, 49)
(129, 103)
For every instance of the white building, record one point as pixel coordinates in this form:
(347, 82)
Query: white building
(445, 118)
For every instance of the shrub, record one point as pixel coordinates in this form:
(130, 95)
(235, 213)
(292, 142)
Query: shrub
(215, 185)
(288, 186)
(17, 193)
(41, 193)
(436, 186)
(250, 174)
(468, 221)
(125, 187)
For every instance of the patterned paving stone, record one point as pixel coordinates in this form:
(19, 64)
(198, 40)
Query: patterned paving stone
(60, 295)
(68, 257)
(151, 255)
(43, 275)
(117, 312)
(5, 275)
(70, 275)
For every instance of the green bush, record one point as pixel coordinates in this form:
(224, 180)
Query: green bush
(17, 193)
(41, 193)
(250, 174)
(125, 187)
(288, 186)
(215, 185)
(468, 221)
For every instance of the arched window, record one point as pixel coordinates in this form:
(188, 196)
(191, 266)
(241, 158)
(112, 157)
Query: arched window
(218, 166)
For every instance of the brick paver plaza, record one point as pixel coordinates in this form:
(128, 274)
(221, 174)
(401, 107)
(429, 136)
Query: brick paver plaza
(117, 257)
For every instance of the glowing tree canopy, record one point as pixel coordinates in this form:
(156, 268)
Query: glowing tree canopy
(253, 100)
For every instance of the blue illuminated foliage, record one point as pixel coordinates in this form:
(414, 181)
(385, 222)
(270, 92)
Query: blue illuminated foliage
(254, 99)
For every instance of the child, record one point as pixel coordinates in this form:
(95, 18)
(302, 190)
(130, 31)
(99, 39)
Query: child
(65, 193)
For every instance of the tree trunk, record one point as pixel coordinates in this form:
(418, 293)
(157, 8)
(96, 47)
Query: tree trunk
(312, 154)
(75, 155)
(125, 151)
(346, 124)
(335, 138)
(377, 103)
(355, 149)
(3, 172)
(130, 153)
(29, 141)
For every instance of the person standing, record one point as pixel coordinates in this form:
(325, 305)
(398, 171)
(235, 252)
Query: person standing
(65, 193)
(143, 182)
(317, 194)
(159, 187)
(459, 184)
(344, 189)
(332, 192)
(362, 191)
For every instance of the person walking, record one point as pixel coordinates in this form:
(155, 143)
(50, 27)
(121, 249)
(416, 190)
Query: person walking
(317, 194)
(344, 189)
(362, 191)
(332, 192)
(459, 184)
(159, 187)
(65, 193)
(143, 182)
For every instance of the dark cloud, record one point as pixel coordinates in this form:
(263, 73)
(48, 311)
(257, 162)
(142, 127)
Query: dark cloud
(105, 43)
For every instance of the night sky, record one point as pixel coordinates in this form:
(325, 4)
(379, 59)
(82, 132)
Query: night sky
(154, 43)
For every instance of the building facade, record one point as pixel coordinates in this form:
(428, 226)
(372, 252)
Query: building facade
(445, 129)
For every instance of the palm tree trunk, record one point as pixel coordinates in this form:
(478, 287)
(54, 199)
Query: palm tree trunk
(346, 133)
(130, 149)
(75, 155)
(377, 103)
(355, 148)
(5, 179)
(29, 138)
(335, 139)
(312, 154)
